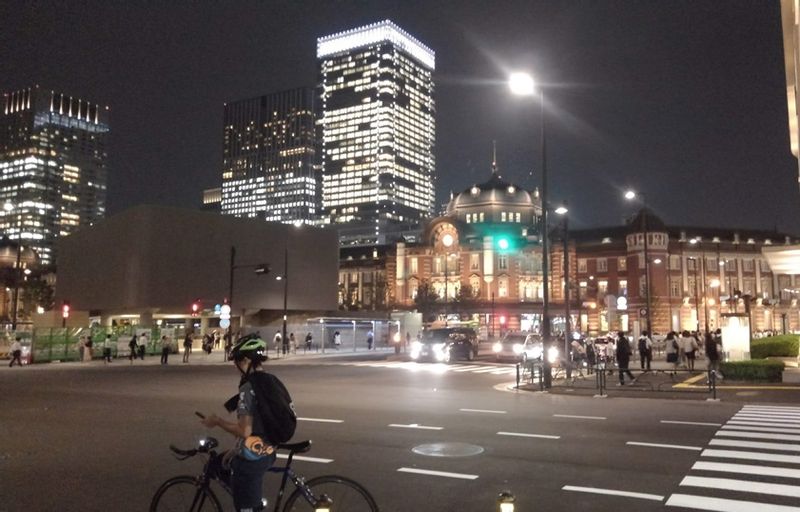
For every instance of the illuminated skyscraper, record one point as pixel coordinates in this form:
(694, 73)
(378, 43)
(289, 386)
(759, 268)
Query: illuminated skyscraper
(269, 158)
(52, 166)
(378, 128)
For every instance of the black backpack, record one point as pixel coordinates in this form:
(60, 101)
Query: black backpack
(275, 407)
(642, 345)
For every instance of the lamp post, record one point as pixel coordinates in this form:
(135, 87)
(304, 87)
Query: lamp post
(285, 279)
(562, 210)
(631, 195)
(447, 242)
(260, 269)
(522, 84)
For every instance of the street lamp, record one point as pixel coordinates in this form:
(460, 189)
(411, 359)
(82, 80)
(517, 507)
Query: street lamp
(630, 195)
(260, 269)
(447, 242)
(522, 84)
(562, 210)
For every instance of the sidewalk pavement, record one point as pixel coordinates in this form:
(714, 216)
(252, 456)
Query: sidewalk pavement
(217, 356)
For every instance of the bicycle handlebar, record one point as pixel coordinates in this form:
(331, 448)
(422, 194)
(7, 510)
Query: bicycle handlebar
(182, 454)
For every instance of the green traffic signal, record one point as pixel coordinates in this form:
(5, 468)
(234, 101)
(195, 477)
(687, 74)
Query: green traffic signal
(503, 244)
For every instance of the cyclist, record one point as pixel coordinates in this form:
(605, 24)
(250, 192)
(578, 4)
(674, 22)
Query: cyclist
(252, 455)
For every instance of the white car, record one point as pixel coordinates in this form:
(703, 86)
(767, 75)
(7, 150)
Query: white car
(522, 347)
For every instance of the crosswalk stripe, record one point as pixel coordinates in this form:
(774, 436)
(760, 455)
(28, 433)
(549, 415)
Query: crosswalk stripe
(756, 444)
(759, 424)
(473, 368)
(657, 445)
(762, 429)
(736, 454)
(772, 407)
(487, 370)
(746, 469)
(613, 492)
(759, 417)
(730, 484)
(723, 505)
(770, 413)
(758, 435)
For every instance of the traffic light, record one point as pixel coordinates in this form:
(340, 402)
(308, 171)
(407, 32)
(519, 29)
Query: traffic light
(65, 310)
(502, 319)
(263, 269)
(503, 243)
(196, 308)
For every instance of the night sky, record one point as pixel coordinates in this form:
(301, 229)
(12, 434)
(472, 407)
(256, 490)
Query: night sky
(684, 100)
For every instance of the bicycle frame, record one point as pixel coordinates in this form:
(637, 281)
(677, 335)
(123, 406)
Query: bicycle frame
(298, 481)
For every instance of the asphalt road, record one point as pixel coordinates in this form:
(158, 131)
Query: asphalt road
(90, 437)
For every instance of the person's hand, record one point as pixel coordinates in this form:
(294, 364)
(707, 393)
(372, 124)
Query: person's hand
(210, 421)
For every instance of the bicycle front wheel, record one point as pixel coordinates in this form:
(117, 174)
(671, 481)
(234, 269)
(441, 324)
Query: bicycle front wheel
(184, 494)
(347, 495)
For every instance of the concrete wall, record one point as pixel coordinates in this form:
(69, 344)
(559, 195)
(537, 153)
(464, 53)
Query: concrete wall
(162, 259)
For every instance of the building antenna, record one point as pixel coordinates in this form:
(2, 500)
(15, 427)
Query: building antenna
(494, 157)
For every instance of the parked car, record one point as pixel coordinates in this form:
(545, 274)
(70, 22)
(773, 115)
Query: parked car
(445, 344)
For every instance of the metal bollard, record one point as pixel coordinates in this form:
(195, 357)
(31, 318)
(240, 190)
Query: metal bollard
(505, 502)
(713, 382)
(541, 377)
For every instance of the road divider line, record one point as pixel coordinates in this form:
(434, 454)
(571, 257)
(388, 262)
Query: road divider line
(612, 492)
(736, 454)
(756, 444)
(700, 423)
(730, 484)
(757, 435)
(320, 420)
(762, 429)
(521, 434)
(415, 425)
(723, 505)
(487, 411)
(580, 417)
(306, 459)
(673, 446)
(746, 469)
(462, 476)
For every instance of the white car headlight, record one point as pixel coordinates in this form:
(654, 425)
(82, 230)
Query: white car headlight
(517, 348)
(536, 353)
(497, 347)
(552, 354)
(415, 345)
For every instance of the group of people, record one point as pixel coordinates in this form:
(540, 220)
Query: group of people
(682, 350)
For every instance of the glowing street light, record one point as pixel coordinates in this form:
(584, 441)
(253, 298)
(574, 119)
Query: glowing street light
(521, 84)
(630, 195)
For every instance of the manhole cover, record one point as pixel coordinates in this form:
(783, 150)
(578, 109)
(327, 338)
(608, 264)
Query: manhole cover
(747, 393)
(448, 450)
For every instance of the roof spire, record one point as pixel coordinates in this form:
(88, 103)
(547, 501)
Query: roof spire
(494, 157)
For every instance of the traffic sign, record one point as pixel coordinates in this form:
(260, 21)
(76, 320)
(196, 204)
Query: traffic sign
(643, 312)
(225, 312)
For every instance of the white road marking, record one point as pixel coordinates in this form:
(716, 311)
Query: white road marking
(474, 368)
(306, 459)
(692, 423)
(415, 425)
(487, 411)
(747, 469)
(612, 492)
(770, 413)
(756, 444)
(759, 424)
(730, 484)
(767, 457)
(487, 370)
(503, 372)
(580, 417)
(320, 420)
(771, 408)
(757, 435)
(723, 505)
(462, 476)
(758, 417)
(520, 434)
(675, 446)
(762, 429)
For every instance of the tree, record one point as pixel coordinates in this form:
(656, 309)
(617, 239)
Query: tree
(465, 299)
(37, 293)
(425, 300)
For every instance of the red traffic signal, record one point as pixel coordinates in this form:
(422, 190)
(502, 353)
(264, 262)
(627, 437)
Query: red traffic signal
(502, 319)
(65, 310)
(196, 307)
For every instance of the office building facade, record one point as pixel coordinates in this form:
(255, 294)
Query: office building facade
(378, 128)
(270, 152)
(53, 167)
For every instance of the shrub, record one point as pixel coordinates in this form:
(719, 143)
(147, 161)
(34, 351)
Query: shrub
(756, 369)
(775, 346)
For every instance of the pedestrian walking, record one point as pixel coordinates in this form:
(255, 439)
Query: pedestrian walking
(337, 340)
(107, 349)
(16, 352)
(645, 350)
(187, 346)
(228, 345)
(718, 341)
(88, 352)
(292, 343)
(712, 355)
(217, 339)
(624, 358)
(672, 349)
(370, 339)
(133, 345)
(142, 345)
(689, 347)
(309, 342)
(591, 357)
(165, 349)
(81, 348)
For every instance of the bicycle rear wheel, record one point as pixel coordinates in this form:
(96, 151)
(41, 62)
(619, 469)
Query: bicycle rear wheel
(347, 495)
(184, 494)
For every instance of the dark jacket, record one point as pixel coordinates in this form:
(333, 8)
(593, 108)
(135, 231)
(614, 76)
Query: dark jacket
(623, 349)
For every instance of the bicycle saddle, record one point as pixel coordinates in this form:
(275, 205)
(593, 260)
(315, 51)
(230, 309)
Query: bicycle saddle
(302, 446)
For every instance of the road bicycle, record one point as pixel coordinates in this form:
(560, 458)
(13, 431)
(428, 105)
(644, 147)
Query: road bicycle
(329, 493)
